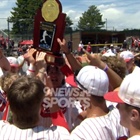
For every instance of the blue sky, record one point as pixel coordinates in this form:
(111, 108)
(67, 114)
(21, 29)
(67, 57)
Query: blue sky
(120, 14)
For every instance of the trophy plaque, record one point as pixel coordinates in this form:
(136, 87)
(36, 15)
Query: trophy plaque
(49, 24)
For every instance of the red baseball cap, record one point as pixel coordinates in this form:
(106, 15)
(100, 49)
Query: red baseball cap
(113, 97)
(13, 61)
(71, 80)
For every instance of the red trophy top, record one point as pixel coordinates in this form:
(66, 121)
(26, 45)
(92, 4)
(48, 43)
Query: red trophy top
(49, 24)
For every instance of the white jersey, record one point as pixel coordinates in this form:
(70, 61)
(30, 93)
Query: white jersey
(106, 127)
(136, 70)
(136, 137)
(1, 72)
(11, 132)
(2, 103)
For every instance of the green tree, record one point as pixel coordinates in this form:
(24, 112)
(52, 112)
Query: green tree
(91, 19)
(23, 16)
(68, 21)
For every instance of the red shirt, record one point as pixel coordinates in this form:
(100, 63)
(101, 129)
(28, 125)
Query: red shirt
(88, 48)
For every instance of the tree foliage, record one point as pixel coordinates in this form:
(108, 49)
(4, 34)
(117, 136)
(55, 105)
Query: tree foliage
(68, 21)
(91, 19)
(23, 16)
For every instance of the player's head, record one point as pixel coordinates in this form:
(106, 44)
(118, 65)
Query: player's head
(57, 77)
(14, 64)
(128, 57)
(7, 79)
(111, 46)
(128, 99)
(25, 96)
(91, 79)
(116, 64)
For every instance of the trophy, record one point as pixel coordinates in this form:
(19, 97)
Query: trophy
(49, 24)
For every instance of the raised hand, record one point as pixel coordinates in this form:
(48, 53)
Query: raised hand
(29, 56)
(63, 46)
(94, 59)
(40, 63)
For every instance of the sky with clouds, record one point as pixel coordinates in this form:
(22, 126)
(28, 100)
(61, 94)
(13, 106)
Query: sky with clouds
(120, 14)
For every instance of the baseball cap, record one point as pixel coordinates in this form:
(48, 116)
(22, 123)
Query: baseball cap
(13, 61)
(108, 54)
(129, 91)
(92, 79)
(111, 45)
(127, 55)
(20, 59)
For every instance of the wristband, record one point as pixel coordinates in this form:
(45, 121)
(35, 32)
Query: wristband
(31, 70)
(105, 68)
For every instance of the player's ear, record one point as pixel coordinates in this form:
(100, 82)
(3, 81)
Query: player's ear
(134, 115)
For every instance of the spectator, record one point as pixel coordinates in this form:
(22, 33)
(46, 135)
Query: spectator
(125, 45)
(104, 50)
(80, 47)
(88, 48)
(111, 49)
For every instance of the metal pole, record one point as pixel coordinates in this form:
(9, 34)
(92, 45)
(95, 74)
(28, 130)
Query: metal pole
(8, 50)
(106, 23)
(8, 28)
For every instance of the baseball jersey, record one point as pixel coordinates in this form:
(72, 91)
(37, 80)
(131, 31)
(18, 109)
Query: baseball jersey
(11, 132)
(2, 103)
(136, 137)
(105, 127)
(1, 72)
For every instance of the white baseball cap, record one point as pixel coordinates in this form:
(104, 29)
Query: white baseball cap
(129, 91)
(108, 54)
(111, 45)
(92, 79)
(127, 55)
(13, 61)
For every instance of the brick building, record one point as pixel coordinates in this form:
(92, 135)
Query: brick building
(98, 38)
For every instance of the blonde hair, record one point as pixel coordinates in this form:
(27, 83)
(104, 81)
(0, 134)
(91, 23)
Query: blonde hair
(7, 79)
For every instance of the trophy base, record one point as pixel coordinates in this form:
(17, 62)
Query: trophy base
(53, 59)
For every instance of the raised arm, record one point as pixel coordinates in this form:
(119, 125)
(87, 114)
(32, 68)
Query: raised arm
(31, 61)
(75, 65)
(4, 63)
(114, 79)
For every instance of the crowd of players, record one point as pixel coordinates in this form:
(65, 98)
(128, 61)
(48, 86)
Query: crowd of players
(66, 100)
